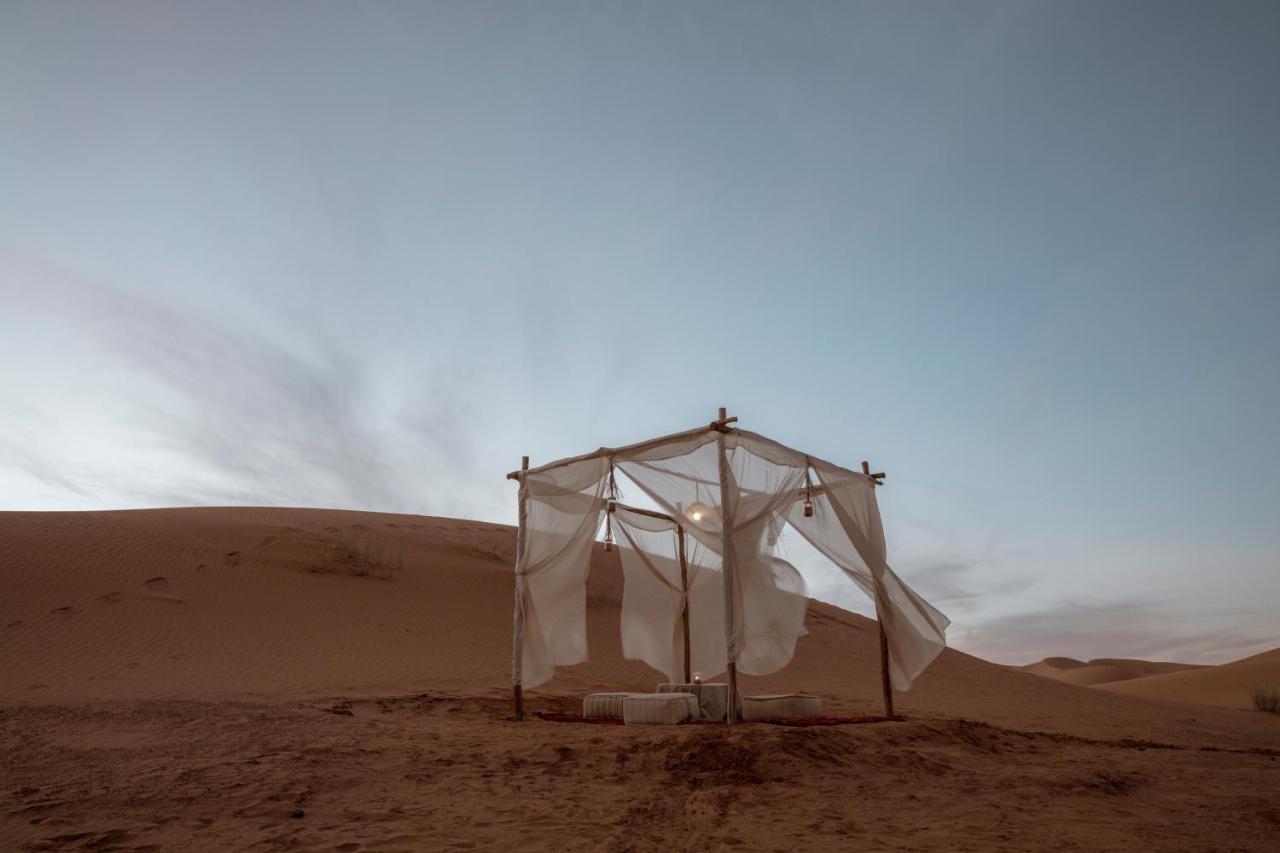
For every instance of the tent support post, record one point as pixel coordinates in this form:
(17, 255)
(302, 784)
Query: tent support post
(727, 561)
(517, 686)
(885, 684)
(684, 586)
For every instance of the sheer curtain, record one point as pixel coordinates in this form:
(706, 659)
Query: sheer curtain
(846, 528)
(559, 513)
(731, 492)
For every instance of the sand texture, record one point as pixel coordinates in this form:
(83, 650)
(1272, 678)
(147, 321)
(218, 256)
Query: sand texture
(186, 679)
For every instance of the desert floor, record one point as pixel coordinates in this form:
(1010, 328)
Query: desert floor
(188, 679)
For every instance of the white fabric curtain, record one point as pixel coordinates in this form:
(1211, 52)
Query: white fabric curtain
(560, 512)
(656, 593)
(731, 492)
(846, 528)
(765, 599)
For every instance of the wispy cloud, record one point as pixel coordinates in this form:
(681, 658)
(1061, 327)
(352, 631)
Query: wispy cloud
(961, 585)
(212, 412)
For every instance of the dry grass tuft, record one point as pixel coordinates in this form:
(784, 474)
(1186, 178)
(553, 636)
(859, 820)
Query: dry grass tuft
(1266, 699)
(367, 556)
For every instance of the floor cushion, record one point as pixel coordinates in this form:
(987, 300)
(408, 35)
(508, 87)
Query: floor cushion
(659, 708)
(781, 706)
(604, 706)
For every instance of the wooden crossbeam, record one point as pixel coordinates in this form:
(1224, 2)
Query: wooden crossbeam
(721, 424)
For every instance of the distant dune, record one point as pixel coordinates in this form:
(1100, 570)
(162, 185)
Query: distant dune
(1227, 686)
(1102, 670)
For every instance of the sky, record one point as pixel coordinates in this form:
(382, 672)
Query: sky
(1023, 256)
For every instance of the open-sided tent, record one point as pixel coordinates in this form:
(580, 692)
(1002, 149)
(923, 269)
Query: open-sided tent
(724, 495)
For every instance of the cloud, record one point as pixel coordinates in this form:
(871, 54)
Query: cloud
(961, 584)
(206, 411)
(1138, 629)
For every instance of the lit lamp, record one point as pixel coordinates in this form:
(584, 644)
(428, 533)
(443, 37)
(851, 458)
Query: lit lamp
(697, 513)
(697, 678)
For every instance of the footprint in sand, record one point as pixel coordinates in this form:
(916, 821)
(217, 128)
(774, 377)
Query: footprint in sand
(111, 597)
(158, 590)
(201, 567)
(231, 558)
(14, 624)
(63, 611)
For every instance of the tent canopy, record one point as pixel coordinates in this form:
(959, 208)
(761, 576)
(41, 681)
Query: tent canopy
(708, 556)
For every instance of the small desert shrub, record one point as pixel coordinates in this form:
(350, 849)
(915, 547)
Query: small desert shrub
(1267, 699)
(365, 555)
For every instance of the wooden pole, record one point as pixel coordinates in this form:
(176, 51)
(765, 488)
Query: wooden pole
(727, 563)
(518, 640)
(684, 586)
(886, 684)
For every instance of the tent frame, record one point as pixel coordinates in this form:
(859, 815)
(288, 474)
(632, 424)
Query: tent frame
(720, 425)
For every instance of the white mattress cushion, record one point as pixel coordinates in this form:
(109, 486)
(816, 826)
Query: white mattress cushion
(659, 708)
(605, 706)
(781, 706)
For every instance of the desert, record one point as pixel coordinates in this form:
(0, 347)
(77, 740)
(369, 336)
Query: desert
(191, 678)
(635, 427)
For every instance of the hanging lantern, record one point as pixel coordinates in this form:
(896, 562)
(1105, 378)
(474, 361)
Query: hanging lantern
(808, 507)
(698, 513)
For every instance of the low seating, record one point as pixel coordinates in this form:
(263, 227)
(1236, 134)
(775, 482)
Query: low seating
(659, 708)
(713, 697)
(605, 706)
(780, 706)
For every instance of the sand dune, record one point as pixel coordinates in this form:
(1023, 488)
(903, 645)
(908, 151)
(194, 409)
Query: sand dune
(1228, 685)
(247, 602)
(187, 678)
(1102, 670)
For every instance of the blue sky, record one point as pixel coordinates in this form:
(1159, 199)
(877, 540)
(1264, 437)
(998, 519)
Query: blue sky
(1023, 256)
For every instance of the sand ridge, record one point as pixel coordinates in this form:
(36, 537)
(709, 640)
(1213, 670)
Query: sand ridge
(1102, 670)
(1228, 685)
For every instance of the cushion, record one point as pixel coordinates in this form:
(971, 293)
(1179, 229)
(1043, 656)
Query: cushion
(713, 697)
(659, 708)
(604, 706)
(781, 706)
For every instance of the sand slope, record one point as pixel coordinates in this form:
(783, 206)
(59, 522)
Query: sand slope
(186, 679)
(245, 602)
(1101, 670)
(1228, 685)
(427, 773)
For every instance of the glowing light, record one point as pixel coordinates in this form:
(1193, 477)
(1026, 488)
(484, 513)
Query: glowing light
(697, 513)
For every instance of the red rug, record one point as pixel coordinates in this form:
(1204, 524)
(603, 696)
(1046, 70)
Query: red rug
(556, 717)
